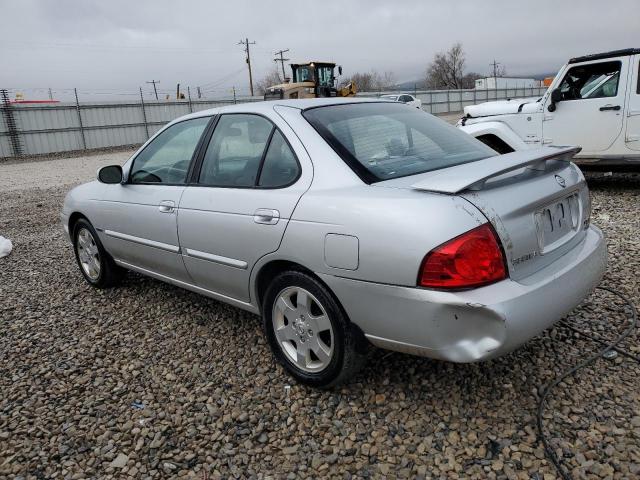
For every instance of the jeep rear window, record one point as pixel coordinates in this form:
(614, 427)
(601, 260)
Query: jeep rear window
(386, 140)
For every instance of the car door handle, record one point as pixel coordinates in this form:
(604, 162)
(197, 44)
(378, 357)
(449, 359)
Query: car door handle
(266, 216)
(166, 206)
(610, 107)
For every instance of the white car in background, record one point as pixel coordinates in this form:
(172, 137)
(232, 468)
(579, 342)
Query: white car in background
(593, 103)
(404, 98)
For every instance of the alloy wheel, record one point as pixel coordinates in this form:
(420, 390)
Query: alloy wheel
(88, 254)
(303, 329)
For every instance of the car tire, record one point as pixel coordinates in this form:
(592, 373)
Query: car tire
(96, 265)
(308, 332)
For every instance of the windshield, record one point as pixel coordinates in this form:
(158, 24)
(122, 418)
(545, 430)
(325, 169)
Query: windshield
(303, 73)
(381, 141)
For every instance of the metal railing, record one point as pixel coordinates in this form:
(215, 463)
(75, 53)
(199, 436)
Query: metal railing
(52, 128)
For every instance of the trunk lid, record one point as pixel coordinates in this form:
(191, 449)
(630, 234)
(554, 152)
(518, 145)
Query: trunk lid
(536, 200)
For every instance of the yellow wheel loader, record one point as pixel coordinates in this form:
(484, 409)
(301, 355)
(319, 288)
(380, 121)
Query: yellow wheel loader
(311, 80)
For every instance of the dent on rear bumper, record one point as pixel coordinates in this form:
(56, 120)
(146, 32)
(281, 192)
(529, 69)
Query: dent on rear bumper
(476, 324)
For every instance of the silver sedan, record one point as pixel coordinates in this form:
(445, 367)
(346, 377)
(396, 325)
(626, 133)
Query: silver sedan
(346, 223)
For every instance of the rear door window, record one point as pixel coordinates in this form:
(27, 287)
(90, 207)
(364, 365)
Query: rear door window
(235, 151)
(248, 151)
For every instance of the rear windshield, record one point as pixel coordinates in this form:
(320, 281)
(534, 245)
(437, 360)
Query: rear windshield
(381, 141)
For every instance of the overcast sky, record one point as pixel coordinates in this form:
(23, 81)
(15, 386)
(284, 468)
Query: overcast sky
(105, 46)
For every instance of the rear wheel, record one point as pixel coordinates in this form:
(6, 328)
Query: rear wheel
(308, 333)
(96, 265)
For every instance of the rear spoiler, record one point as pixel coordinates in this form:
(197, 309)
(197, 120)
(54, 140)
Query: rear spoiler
(472, 176)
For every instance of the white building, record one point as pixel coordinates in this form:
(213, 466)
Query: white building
(493, 83)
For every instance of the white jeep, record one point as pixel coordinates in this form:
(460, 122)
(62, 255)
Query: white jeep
(593, 102)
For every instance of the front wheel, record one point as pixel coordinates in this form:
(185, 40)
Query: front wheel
(308, 333)
(96, 265)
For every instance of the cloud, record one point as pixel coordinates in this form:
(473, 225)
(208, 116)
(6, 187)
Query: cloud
(117, 45)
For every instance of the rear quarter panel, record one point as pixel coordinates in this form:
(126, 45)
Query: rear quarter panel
(395, 229)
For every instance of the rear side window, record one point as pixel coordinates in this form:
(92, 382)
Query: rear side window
(595, 80)
(381, 141)
(247, 151)
(280, 166)
(235, 151)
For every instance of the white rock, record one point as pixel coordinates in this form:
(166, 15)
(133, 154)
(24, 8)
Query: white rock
(120, 461)
(5, 246)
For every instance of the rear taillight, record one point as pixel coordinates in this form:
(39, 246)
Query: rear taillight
(473, 259)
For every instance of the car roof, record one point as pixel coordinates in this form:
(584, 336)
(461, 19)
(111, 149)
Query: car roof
(267, 106)
(611, 54)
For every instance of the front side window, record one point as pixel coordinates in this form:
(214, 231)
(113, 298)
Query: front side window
(596, 80)
(381, 141)
(166, 159)
(247, 151)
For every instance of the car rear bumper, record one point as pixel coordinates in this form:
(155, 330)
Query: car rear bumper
(473, 325)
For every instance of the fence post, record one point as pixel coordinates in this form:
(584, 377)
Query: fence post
(144, 114)
(448, 102)
(189, 97)
(12, 128)
(475, 99)
(84, 141)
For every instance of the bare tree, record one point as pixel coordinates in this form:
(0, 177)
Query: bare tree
(387, 80)
(447, 69)
(469, 79)
(372, 81)
(271, 78)
(365, 81)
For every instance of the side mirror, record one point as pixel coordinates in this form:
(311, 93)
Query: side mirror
(339, 69)
(556, 97)
(110, 174)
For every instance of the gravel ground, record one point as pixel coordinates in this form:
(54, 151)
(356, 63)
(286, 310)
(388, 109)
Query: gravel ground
(150, 381)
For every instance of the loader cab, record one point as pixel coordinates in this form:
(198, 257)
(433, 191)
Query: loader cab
(320, 73)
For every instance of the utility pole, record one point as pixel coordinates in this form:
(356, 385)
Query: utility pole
(246, 44)
(154, 87)
(281, 60)
(50, 94)
(495, 65)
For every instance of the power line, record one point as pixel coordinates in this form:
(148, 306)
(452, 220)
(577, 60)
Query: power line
(154, 87)
(281, 60)
(246, 44)
(222, 79)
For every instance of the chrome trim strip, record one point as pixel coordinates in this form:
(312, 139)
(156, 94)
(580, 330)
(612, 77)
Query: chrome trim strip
(218, 296)
(143, 241)
(229, 262)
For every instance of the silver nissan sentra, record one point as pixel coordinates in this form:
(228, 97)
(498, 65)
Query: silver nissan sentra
(345, 222)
